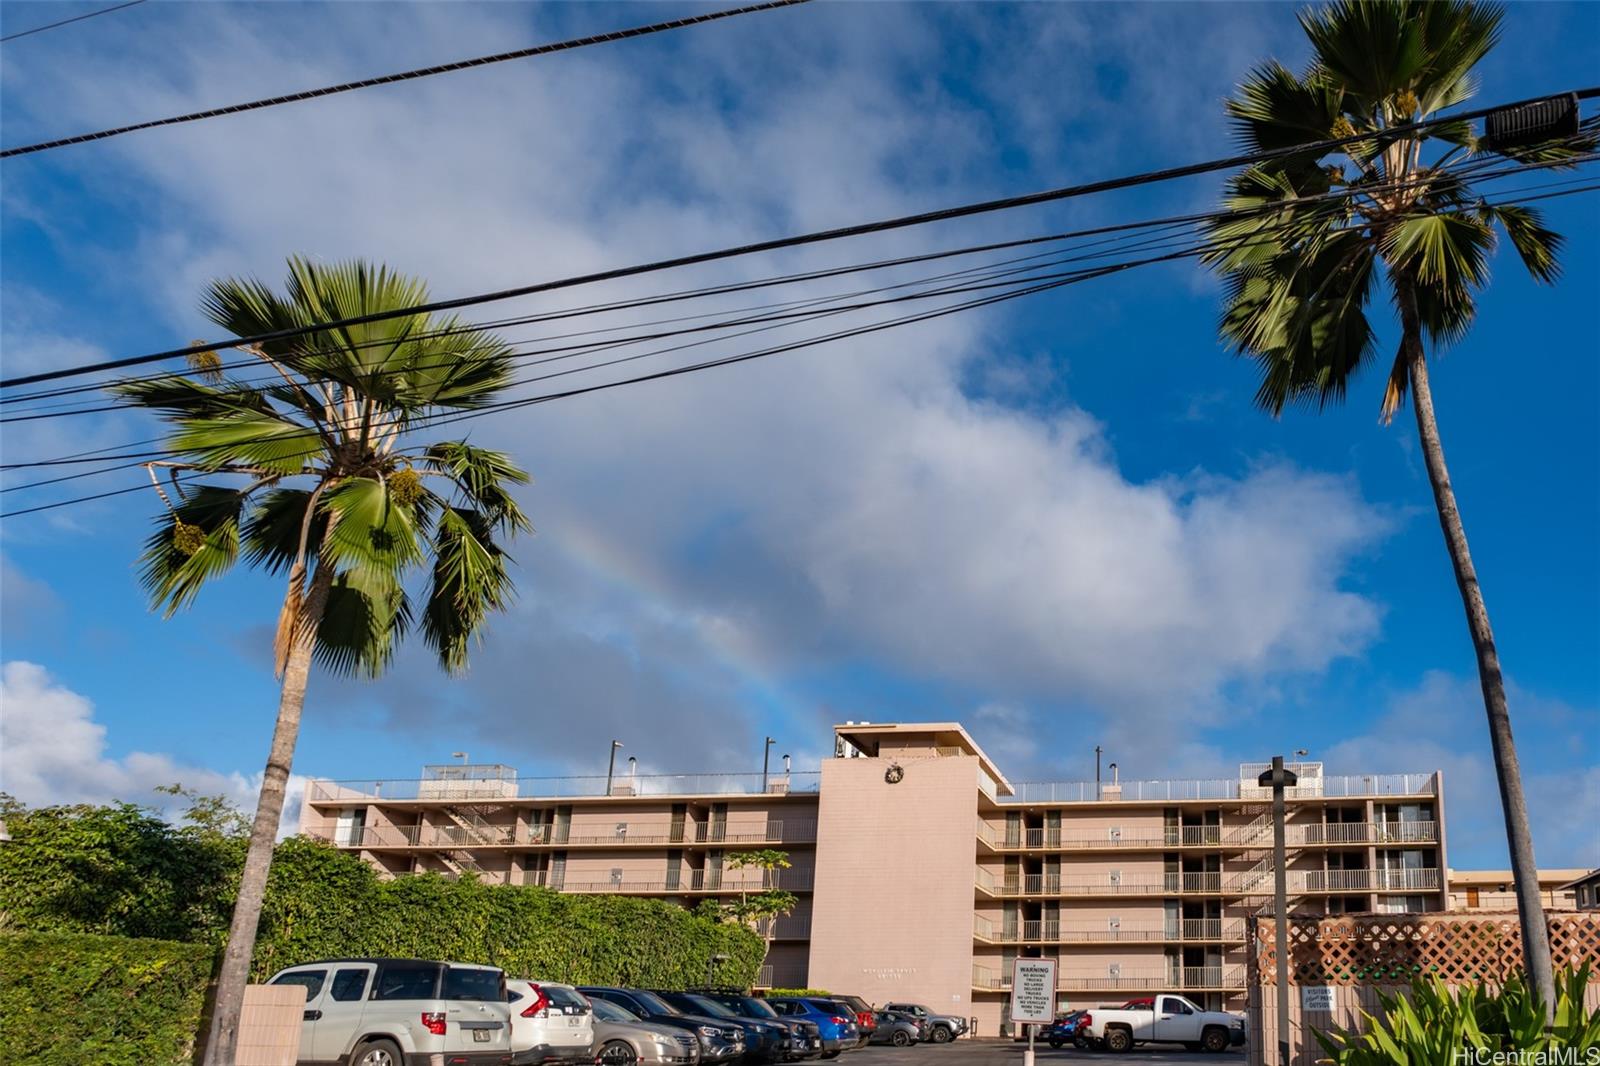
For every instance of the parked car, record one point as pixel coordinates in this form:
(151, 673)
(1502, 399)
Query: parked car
(901, 1030)
(622, 1038)
(765, 1040)
(938, 1028)
(721, 1040)
(835, 1022)
(1067, 1029)
(1164, 1019)
(385, 1012)
(549, 1024)
(866, 1017)
(805, 1039)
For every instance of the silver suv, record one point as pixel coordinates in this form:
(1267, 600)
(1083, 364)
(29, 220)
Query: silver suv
(389, 1012)
(936, 1028)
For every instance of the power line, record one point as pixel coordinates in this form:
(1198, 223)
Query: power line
(65, 22)
(1312, 148)
(408, 75)
(1049, 283)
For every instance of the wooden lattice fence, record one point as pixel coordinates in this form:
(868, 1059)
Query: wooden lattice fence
(1350, 959)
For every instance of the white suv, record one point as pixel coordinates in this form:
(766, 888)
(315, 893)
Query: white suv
(387, 1012)
(549, 1024)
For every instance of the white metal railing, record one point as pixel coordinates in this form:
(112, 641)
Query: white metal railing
(507, 786)
(1055, 931)
(1362, 833)
(1206, 882)
(1199, 978)
(764, 977)
(1339, 787)
(685, 881)
(1264, 883)
(786, 927)
(479, 833)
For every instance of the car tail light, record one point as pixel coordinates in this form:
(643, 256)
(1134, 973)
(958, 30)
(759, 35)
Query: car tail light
(1085, 1021)
(540, 1006)
(433, 1021)
(840, 1021)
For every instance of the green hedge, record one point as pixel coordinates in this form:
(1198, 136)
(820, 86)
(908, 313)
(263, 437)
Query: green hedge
(75, 999)
(797, 992)
(121, 871)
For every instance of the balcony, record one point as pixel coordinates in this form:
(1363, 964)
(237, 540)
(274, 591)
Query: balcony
(688, 881)
(481, 834)
(1166, 884)
(1190, 930)
(1301, 882)
(786, 927)
(504, 785)
(1185, 979)
(1211, 837)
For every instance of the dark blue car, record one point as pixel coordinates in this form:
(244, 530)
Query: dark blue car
(835, 1021)
(1067, 1029)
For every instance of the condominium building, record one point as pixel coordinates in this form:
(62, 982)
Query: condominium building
(922, 872)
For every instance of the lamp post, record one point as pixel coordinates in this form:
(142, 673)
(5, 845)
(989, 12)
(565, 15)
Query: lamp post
(1097, 771)
(1278, 778)
(766, 759)
(611, 767)
(711, 969)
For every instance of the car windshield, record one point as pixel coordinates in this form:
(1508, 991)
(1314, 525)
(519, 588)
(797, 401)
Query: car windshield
(608, 1011)
(710, 1006)
(752, 1007)
(655, 1003)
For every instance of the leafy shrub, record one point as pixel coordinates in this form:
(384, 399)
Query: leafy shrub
(1435, 1025)
(799, 992)
(74, 999)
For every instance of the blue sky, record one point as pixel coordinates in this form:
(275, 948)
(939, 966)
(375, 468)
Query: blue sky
(1059, 521)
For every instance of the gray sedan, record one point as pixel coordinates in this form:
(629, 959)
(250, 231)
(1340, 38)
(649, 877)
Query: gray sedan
(901, 1030)
(622, 1038)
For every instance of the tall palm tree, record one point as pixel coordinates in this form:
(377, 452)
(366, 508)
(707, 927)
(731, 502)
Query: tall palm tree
(1319, 233)
(328, 489)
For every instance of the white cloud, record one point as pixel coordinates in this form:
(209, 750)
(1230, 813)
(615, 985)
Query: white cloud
(53, 751)
(1440, 725)
(846, 503)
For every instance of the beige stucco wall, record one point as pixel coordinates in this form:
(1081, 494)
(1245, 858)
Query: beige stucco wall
(892, 918)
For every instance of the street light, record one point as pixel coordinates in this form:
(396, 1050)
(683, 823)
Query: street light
(611, 767)
(711, 969)
(1278, 779)
(766, 758)
(459, 755)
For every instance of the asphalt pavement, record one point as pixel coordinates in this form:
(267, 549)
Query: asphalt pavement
(1007, 1053)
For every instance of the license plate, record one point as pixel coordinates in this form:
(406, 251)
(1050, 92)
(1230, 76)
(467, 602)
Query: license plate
(480, 1036)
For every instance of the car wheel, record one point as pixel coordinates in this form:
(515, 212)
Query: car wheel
(1055, 1044)
(616, 1053)
(900, 1038)
(830, 1054)
(942, 1035)
(1214, 1039)
(1082, 1042)
(377, 1053)
(1118, 1040)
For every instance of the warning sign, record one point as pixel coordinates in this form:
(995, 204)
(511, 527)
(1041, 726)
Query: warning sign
(1033, 991)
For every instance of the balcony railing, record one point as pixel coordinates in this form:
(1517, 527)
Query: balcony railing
(685, 881)
(485, 834)
(1303, 881)
(1356, 785)
(507, 786)
(1206, 883)
(1058, 932)
(787, 927)
(1188, 978)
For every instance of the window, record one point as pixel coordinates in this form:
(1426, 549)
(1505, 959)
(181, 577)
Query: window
(478, 985)
(349, 985)
(402, 981)
(311, 979)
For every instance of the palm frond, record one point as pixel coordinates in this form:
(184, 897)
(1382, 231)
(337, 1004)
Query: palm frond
(1537, 244)
(367, 530)
(366, 616)
(1447, 256)
(271, 531)
(483, 477)
(171, 575)
(469, 580)
(263, 440)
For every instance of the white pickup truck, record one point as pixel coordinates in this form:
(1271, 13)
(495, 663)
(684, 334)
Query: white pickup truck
(1164, 1019)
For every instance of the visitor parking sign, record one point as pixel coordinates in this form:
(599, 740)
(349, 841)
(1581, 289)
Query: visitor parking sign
(1033, 991)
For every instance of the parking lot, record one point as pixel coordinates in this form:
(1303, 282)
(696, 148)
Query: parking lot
(1005, 1053)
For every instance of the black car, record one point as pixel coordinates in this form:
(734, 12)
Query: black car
(805, 1039)
(765, 1040)
(721, 1039)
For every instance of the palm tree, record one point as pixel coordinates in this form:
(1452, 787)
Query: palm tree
(335, 498)
(1318, 233)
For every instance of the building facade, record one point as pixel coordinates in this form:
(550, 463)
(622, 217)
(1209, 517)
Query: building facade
(921, 872)
(1495, 890)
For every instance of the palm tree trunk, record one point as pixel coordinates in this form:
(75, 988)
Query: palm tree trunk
(1525, 872)
(223, 1031)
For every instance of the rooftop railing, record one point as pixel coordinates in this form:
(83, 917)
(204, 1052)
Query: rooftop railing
(1338, 787)
(463, 788)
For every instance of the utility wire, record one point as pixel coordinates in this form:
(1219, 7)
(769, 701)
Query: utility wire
(408, 75)
(1054, 282)
(860, 229)
(66, 22)
(1481, 170)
